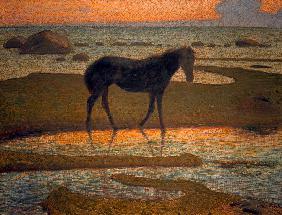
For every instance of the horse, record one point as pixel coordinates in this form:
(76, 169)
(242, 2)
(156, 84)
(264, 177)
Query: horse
(149, 75)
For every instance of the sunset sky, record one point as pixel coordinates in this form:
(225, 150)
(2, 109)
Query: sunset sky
(19, 12)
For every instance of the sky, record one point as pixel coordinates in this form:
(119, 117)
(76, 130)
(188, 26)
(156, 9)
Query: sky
(265, 13)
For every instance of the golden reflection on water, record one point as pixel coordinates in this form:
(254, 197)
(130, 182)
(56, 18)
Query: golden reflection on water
(231, 136)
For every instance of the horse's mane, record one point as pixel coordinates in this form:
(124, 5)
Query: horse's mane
(169, 52)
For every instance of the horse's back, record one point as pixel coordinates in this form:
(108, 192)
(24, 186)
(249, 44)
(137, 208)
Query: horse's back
(129, 74)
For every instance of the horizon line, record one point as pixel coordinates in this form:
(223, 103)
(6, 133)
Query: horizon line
(168, 24)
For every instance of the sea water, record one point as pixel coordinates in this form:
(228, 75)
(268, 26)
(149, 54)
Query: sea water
(156, 40)
(24, 191)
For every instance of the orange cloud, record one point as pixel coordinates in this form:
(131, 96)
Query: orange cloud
(271, 6)
(82, 11)
(15, 12)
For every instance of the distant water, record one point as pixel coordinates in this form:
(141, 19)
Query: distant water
(158, 39)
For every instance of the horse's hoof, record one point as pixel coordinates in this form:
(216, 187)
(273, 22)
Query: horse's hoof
(90, 139)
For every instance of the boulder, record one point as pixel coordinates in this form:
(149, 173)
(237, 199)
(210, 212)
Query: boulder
(248, 43)
(46, 42)
(198, 44)
(15, 42)
(81, 57)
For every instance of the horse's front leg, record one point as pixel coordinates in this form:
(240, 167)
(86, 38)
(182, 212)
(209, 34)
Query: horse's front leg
(149, 113)
(160, 111)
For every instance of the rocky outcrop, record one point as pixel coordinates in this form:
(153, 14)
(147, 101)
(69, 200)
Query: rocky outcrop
(81, 57)
(46, 42)
(15, 42)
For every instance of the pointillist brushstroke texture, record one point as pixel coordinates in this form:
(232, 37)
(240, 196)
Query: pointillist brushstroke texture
(16, 12)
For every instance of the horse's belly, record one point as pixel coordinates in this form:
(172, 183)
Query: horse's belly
(133, 86)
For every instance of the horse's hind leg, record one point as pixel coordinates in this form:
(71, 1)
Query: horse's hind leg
(105, 105)
(90, 103)
(159, 103)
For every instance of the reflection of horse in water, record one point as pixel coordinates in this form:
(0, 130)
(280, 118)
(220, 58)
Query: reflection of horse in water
(150, 75)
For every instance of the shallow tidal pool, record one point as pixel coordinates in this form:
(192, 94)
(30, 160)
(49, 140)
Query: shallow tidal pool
(255, 170)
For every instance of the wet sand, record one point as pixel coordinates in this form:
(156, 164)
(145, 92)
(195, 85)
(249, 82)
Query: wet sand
(16, 161)
(197, 199)
(254, 100)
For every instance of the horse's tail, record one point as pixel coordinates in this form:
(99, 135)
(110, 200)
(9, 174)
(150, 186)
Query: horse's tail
(88, 77)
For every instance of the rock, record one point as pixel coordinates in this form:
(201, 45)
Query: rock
(248, 43)
(78, 44)
(61, 59)
(118, 43)
(141, 43)
(256, 66)
(251, 210)
(15, 42)
(198, 44)
(248, 206)
(80, 57)
(226, 45)
(99, 44)
(46, 42)
(211, 45)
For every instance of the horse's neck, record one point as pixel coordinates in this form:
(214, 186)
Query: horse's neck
(171, 62)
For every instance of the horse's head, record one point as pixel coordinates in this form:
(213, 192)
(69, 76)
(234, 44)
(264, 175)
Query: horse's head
(186, 61)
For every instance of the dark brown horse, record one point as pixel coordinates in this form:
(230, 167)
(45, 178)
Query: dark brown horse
(150, 75)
